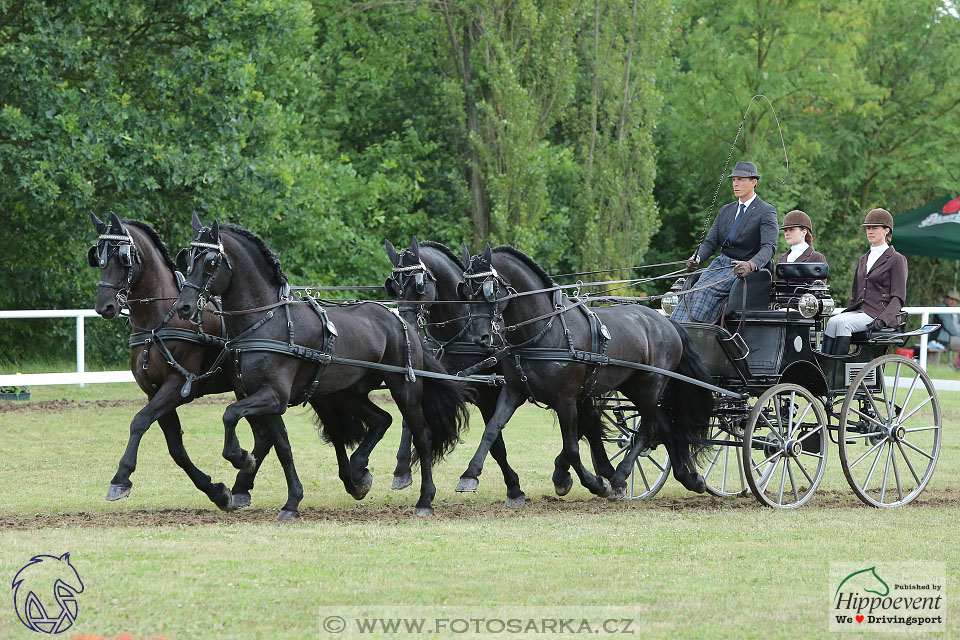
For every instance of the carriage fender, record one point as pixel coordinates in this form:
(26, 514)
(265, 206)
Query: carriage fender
(807, 376)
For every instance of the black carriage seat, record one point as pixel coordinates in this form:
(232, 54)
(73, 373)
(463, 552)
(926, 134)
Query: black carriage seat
(758, 284)
(888, 335)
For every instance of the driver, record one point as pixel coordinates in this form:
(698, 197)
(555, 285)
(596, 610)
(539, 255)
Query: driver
(879, 287)
(746, 232)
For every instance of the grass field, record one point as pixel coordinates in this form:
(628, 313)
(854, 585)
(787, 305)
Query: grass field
(165, 563)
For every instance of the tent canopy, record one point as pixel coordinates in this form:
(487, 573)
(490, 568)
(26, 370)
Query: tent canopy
(932, 230)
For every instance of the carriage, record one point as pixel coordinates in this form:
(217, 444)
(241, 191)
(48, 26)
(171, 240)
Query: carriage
(880, 409)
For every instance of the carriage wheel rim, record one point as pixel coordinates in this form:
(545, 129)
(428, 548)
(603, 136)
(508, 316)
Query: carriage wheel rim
(779, 424)
(892, 478)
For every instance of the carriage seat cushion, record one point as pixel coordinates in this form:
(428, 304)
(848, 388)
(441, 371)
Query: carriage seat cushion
(759, 284)
(803, 271)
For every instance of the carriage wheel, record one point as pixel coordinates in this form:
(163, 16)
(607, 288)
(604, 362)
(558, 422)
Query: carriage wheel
(785, 446)
(652, 467)
(890, 429)
(722, 466)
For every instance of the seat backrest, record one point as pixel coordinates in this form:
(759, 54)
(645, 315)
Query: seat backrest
(802, 270)
(759, 285)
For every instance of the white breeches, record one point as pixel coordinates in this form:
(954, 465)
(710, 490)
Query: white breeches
(846, 323)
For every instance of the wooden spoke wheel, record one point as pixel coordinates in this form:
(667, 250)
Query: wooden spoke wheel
(785, 446)
(890, 432)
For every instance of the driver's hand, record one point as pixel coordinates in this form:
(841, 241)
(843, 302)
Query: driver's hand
(745, 267)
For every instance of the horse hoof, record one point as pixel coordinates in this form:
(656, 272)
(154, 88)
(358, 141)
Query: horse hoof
(693, 482)
(116, 492)
(423, 511)
(467, 485)
(517, 502)
(249, 464)
(402, 482)
(287, 514)
(618, 493)
(563, 488)
(605, 490)
(362, 488)
(240, 500)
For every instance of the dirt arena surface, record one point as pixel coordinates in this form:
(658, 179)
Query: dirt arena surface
(386, 514)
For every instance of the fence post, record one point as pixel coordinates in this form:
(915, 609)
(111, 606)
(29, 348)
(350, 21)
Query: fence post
(80, 340)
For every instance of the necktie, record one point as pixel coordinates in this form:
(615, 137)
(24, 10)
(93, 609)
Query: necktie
(733, 229)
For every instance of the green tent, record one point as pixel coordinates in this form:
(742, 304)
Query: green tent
(932, 230)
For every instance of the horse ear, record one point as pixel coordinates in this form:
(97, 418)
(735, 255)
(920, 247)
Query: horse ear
(415, 247)
(197, 225)
(215, 231)
(98, 224)
(115, 223)
(391, 253)
(466, 256)
(488, 254)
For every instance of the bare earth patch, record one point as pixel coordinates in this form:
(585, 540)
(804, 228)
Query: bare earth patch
(387, 514)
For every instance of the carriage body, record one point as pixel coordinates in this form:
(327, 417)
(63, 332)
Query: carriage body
(796, 401)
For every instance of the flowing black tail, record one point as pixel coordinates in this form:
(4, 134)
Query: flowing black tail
(341, 421)
(688, 405)
(444, 409)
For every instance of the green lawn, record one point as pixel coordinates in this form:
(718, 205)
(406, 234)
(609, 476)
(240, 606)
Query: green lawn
(164, 563)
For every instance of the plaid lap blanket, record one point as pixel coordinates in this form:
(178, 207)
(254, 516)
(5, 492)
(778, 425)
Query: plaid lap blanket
(704, 305)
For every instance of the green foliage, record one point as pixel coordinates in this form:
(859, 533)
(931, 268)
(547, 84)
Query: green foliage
(588, 134)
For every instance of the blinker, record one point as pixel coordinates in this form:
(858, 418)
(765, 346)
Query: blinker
(94, 259)
(184, 261)
(418, 282)
(489, 291)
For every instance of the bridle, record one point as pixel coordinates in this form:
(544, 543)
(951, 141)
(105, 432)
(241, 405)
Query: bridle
(213, 257)
(398, 280)
(99, 254)
(489, 286)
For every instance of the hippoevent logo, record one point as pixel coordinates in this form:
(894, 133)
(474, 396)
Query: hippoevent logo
(45, 594)
(889, 597)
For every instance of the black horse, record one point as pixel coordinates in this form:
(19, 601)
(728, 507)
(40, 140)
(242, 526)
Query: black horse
(422, 274)
(547, 358)
(298, 357)
(135, 271)
(425, 279)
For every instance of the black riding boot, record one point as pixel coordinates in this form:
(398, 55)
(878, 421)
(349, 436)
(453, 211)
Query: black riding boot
(827, 346)
(841, 345)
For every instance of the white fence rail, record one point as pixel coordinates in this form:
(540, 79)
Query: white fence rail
(81, 376)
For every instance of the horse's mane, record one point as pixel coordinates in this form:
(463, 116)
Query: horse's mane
(155, 239)
(445, 250)
(265, 251)
(520, 255)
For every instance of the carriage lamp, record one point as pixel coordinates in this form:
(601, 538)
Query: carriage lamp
(808, 305)
(671, 301)
(828, 305)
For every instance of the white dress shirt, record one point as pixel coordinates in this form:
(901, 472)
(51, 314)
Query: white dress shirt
(875, 253)
(746, 205)
(796, 250)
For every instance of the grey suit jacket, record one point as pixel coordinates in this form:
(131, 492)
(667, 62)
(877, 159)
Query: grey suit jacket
(755, 238)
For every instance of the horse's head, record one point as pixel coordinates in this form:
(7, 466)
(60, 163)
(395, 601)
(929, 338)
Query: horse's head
(207, 269)
(410, 281)
(489, 295)
(118, 260)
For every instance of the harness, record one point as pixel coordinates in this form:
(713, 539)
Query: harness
(99, 254)
(594, 359)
